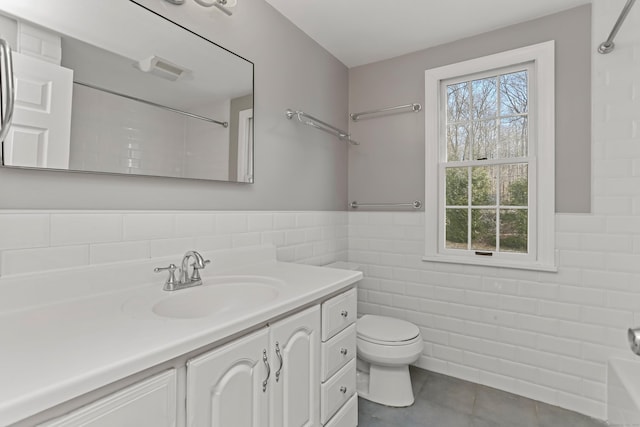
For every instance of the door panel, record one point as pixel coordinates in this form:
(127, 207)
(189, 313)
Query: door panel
(41, 128)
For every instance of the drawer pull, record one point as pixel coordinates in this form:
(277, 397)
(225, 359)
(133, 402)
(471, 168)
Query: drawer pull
(281, 361)
(344, 313)
(343, 389)
(266, 362)
(343, 351)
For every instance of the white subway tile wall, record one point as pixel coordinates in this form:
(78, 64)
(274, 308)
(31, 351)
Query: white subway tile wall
(32, 241)
(542, 335)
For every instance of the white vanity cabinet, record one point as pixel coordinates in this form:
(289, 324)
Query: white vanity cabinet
(339, 405)
(151, 402)
(270, 377)
(297, 371)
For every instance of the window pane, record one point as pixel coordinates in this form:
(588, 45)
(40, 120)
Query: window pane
(514, 137)
(456, 229)
(513, 93)
(483, 185)
(457, 142)
(483, 229)
(458, 102)
(514, 185)
(513, 230)
(485, 139)
(457, 184)
(485, 101)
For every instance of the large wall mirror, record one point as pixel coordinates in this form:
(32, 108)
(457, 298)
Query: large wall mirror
(149, 98)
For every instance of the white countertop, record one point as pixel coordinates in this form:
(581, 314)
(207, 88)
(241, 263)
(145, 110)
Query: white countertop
(52, 353)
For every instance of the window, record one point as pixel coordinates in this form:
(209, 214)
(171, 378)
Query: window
(490, 160)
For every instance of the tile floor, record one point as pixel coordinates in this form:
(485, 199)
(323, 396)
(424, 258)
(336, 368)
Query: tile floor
(443, 401)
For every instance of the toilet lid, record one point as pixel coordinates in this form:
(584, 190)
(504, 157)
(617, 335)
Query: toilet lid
(382, 328)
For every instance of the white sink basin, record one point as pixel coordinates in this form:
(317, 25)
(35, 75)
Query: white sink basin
(216, 295)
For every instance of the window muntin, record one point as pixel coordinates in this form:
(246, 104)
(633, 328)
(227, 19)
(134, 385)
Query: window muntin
(485, 170)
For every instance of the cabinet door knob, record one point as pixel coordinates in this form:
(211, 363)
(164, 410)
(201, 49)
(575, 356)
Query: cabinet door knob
(344, 313)
(343, 389)
(343, 351)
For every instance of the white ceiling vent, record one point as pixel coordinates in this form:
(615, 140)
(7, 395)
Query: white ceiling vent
(162, 68)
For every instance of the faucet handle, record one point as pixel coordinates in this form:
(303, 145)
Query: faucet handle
(196, 273)
(171, 280)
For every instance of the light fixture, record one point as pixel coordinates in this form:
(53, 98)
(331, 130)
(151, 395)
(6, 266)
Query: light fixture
(222, 5)
(162, 68)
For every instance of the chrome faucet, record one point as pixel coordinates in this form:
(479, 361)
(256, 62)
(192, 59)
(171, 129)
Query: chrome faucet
(185, 281)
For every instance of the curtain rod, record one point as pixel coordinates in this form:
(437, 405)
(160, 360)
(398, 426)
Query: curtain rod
(144, 101)
(608, 45)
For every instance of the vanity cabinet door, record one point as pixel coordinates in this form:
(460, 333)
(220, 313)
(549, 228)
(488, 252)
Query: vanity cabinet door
(225, 386)
(295, 349)
(151, 402)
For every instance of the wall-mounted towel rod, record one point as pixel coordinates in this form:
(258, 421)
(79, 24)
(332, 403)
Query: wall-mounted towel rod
(153, 104)
(308, 119)
(416, 204)
(608, 45)
(389, 110)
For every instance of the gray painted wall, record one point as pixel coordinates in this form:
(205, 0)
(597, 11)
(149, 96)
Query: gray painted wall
(388, 166)
(296, 167)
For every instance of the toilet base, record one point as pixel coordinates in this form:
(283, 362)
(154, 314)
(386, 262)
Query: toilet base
(387, 385)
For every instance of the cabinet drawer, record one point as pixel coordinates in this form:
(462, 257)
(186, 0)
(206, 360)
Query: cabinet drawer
(337, 390)
(338, 351)
(347, 416)
(338, 313)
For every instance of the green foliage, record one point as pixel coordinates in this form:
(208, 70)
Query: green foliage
(513, 223)
(519, 192)
(456, 180)
(456, 226)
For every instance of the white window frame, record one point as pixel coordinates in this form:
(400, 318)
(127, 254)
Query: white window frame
(542, 254)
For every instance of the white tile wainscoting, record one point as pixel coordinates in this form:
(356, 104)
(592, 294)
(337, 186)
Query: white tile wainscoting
(36, 241)
(542, 335)
(546, 336)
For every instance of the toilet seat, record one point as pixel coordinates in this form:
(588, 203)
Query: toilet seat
(386, 330)
(390, 343)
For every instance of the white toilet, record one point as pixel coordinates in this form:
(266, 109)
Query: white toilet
(385, 348)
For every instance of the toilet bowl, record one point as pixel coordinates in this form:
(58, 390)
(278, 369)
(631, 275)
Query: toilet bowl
(385, 348)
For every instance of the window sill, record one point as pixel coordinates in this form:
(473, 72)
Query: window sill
(491, 263)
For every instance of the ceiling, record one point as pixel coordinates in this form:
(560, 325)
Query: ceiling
(359, 32)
